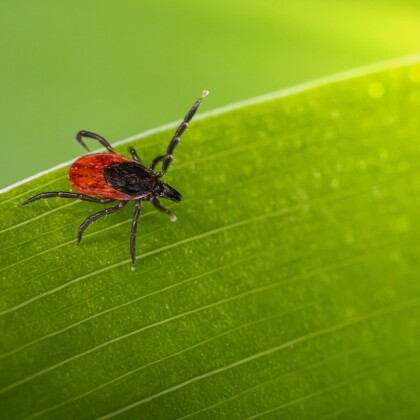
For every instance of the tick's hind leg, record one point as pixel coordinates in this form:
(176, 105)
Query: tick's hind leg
(96, 216)
(162, 209)
(134, 233)
(94, 136)
(63, 194)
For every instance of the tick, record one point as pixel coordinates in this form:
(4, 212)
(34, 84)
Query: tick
(108, 177)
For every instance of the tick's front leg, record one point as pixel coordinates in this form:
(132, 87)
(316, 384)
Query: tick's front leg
(162, 209)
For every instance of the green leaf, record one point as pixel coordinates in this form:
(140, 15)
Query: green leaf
(289, 287)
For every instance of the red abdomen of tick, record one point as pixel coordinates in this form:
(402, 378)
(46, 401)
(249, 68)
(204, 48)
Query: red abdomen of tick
(86, 175)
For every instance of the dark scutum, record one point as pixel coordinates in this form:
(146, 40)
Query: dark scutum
(130, 178)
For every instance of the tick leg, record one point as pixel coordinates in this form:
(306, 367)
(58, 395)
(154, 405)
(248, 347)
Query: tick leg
(96, 216)
(94, 136)
(177, 137)
(134, 154)
(162, 209)
(63, 194)
(134, 232)
(155, 161)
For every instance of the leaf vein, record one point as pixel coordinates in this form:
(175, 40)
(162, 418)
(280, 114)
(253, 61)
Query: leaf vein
(366, 317)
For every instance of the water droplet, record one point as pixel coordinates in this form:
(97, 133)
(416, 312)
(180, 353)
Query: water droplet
(376, 192)
(376, 90)
(384, 154)
(335, 183)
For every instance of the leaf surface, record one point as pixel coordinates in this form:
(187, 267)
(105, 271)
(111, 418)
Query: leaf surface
(289, 286)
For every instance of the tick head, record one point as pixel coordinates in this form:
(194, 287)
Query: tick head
(166, 191)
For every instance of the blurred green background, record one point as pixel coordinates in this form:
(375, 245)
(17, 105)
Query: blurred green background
(119, 68)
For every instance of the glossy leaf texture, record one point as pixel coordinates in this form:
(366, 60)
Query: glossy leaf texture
(288, 288)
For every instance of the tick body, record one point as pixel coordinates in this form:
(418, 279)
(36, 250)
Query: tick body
(108, 177)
